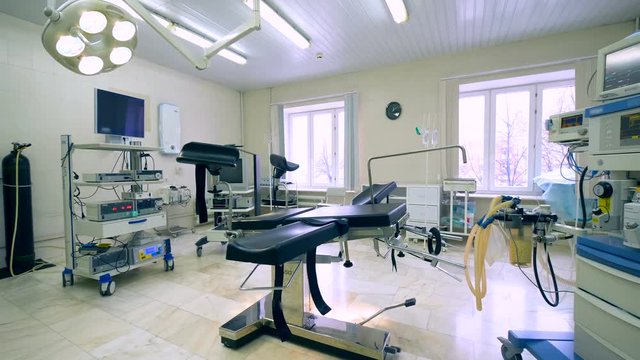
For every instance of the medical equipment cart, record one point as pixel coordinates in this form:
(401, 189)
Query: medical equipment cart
(103, 263)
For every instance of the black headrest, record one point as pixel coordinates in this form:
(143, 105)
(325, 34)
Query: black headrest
(380, 191)
(281, 165)
(210, 155)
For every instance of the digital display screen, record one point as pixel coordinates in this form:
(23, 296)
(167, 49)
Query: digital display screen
(622, 68)
(232, 175)
(118, 114)
(571, 121)
(630, 126)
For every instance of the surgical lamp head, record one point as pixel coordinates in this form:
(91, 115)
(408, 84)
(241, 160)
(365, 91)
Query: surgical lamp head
(89, 36)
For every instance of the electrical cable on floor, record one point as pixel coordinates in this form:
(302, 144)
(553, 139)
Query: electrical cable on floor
(553, 277)
(540, 288)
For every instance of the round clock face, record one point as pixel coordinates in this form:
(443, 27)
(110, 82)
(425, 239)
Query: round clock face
(393, 110)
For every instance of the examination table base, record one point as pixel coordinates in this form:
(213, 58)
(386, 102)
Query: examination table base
(328, 334)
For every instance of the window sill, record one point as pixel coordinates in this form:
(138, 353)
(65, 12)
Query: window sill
(526, 197)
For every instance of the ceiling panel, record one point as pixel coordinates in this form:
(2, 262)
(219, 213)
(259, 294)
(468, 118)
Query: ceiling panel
(354, 35)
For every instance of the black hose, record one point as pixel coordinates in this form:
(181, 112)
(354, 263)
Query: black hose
(553, 277)
(582, 205)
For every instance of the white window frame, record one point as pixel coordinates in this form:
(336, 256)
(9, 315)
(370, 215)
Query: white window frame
(535, 127)
(333, 108)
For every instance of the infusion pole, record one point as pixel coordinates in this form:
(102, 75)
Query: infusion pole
(464, 160)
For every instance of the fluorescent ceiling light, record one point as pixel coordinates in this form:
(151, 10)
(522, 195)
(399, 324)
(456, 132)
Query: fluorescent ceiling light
(272, 17)
(398, 10)
(198, 40)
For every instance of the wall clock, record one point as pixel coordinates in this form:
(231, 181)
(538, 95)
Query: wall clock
(393, 110)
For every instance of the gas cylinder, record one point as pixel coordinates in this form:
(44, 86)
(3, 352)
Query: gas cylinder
(18, 194)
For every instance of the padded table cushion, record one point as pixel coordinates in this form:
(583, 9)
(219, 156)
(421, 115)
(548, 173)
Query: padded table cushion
(371, 215)
(380, 191)
(267, 221)
(198, 153)
(284, 243)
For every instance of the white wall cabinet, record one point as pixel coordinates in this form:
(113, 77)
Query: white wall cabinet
(423, 205)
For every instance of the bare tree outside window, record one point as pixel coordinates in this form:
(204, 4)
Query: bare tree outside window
(315, 139)
(555, 100)
(512, 139)
(502, 127)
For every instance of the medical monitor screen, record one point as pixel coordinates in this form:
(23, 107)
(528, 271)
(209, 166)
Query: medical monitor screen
(118, 114)
(233, 175)
(571, 121)
(630, 130)
(622, 68)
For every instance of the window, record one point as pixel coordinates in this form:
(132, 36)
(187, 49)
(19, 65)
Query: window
(315, 139)
(501, 124)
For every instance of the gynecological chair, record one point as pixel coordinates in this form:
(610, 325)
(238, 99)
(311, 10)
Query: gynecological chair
(280, 167)
(287, 241)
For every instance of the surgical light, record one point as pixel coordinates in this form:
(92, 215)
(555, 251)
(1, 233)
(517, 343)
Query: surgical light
(398, 10)
(69, 46)
(93, 36)
(93, 22)
(82, 35)
(124, 30)
(90, 65)
(280, 24)
(120, 55)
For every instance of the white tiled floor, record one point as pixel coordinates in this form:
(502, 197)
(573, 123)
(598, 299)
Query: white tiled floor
(176, 315)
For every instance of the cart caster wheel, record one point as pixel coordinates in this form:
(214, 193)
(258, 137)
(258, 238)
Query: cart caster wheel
(169, 265)
(223, 243)
(67, 279)
(199, 251)
(504, 349)
(107, 289)
(400, 254)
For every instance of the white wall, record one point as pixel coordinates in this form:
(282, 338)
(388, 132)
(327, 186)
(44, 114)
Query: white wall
(40, 100)
(416, 86)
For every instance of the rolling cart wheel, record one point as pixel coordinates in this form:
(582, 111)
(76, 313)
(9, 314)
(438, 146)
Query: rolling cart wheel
(199, 251)
(169, 265)
(504, 349)
(107, 289)
(67, 279)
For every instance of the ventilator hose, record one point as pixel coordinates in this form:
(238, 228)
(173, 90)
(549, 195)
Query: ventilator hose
(478, 242)
(584, 209)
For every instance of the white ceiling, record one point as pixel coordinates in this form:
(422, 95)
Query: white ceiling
(354, 35)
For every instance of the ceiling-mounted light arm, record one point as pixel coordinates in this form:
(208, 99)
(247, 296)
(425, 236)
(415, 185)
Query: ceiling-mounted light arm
(199, 61)
(252, 24)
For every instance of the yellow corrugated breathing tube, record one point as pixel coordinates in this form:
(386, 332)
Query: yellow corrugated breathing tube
(478, 242)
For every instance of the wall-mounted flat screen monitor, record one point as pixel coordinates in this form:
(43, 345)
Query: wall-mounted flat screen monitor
(119, 114)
